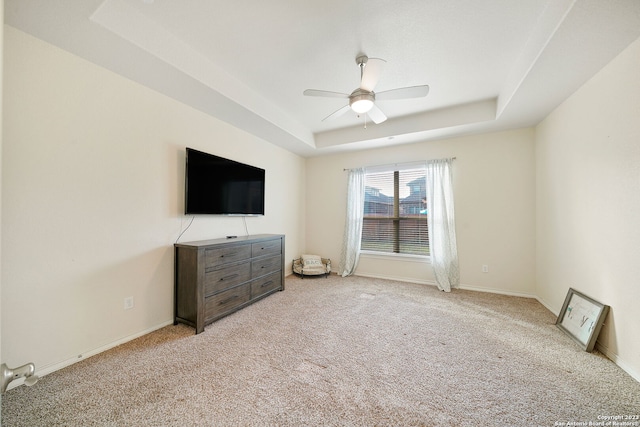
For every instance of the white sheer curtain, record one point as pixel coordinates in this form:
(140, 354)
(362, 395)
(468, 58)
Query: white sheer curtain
(353, 223)
(442, 229)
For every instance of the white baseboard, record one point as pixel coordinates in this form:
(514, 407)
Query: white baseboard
(600, 347)
(57, 366)
(41, 372)
(611, 355)
(618, 361)
(462, 286)
(397, 279)
(496, 291)
(555, 312)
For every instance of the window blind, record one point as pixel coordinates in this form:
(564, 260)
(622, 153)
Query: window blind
(395, 213)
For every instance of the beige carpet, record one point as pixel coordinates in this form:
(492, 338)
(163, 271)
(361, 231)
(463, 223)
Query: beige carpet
(350, 352)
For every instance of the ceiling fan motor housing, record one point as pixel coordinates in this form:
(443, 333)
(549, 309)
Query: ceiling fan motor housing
(361, 100)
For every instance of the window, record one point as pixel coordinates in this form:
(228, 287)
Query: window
(395, 212)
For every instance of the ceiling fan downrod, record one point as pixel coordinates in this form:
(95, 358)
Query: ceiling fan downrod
(362, 62)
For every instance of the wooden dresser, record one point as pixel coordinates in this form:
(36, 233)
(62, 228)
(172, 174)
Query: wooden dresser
(214, 278)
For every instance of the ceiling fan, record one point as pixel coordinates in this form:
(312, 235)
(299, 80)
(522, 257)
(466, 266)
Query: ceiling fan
(362, 100)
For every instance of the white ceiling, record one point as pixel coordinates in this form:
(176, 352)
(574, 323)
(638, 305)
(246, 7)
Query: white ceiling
(490, 64)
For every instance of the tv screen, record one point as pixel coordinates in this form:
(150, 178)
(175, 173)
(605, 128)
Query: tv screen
(218, 186)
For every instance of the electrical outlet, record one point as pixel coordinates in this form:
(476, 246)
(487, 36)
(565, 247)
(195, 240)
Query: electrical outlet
(485, 268)
(128, 303)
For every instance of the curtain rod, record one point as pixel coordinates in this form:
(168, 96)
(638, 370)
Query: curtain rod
(392, 164)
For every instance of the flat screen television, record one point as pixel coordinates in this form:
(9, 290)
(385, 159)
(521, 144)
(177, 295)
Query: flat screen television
(218, 186)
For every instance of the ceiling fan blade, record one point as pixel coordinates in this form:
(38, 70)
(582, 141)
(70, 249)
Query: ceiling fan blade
(403, 93)
(337, 113)
(371, 74)
(325, 93)
(376, 115)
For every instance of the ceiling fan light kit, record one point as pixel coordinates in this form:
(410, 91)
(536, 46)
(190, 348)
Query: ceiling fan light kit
(362, 100)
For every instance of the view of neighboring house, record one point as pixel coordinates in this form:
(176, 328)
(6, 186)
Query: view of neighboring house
(402, 231)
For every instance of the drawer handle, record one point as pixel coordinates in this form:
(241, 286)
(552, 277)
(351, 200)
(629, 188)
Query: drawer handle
(229, 254)
(266, 283)
(228, 300)
(229, 277)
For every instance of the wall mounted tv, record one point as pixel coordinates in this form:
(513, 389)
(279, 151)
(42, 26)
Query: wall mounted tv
(218, 186)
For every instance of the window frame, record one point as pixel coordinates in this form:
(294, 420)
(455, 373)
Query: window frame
(396, 219)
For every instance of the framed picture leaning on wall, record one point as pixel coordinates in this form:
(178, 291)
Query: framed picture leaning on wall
(581, 318)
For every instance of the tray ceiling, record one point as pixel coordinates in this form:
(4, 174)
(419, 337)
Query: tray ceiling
(490, 64)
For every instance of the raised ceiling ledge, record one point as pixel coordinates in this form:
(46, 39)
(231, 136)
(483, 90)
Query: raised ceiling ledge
(475, 112)
(569, 43)
(253, 111)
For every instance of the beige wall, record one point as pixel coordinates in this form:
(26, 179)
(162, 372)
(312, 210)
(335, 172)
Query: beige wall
(588, 198)
(494, 200)
(92, 188)
(92, 202)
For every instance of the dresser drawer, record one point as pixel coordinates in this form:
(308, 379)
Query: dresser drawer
(265, 284)
(268, 247)
(216, 277)
(223, 302)
(226, 277)
(218, 256)
(262, 266)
